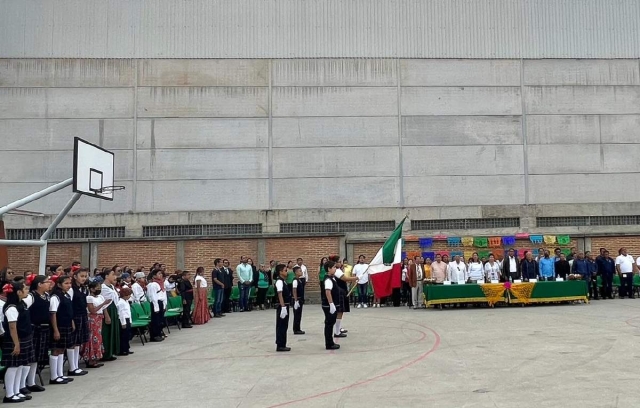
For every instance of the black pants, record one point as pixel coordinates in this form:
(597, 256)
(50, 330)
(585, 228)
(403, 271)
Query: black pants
(186, 311)
(125, 337)
(262, 296)
(157, 321)
(592, 285)
(395, 297)
(626, 285)
(297, 317)
(607, 285)
(282, 325)
(329, 322)
(226, 303)
(406, 293)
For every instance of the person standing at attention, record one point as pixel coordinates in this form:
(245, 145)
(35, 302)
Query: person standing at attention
(562, 266)
(492, 269)
(298, 300)
(186, 291)
(625, 266)
(201, 309)
(282, 312)
(305, 274)
(245, 278)
(138, 288)
(330, 292)
(547, 266)
(415, 276)
(529, 267)
(439, 270)
(511, 267)
(457, 270)
(593, 276)
(476, 269)
(217, 277)
(228, 285)
(264, 281)
(363, 281)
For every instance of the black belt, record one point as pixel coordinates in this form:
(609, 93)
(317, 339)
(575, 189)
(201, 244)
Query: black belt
(42, 326)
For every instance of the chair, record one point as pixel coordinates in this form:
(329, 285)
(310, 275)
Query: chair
(146, 306)
(138, 323)
(211, 298)
(616, 285)
(234, 298)
(173, 311)
(636, 284)
(253, 296)
(140, 311)
(271, 292)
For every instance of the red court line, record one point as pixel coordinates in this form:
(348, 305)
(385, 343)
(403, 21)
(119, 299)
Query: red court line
(421, 357)
(629, 320)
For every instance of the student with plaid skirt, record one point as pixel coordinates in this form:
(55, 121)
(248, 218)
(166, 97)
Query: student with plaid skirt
(39, 313)
(17, 346)
(62, 327)
(78, 294)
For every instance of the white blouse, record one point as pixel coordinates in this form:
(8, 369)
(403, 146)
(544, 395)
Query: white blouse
(110, 292)
(492, 271)
(476, 271)
(201, 279)
(155, 295)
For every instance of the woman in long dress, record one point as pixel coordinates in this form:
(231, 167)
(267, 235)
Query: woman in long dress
(201, 313)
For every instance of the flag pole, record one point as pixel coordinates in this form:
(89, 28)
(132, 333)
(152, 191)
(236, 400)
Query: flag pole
(368, 266)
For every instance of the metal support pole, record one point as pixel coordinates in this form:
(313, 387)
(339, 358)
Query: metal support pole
(61, 216)
(35, 196)
(43, 260)
(21, 242)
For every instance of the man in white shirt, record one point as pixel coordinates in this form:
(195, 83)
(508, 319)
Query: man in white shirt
(457, 270)
(511, 266)
(363, 281)
(625, 266)
(303, 269)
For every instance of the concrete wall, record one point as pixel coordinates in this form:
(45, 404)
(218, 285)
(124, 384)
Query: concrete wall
(297, 136)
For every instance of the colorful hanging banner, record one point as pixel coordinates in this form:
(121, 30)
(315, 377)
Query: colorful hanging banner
(426, 242)
(440, 237)
(431, 255)
(536, 239)
(549, 239)
(454, 241)
(522, 252)
(509, 240)
(467, 241)
(522, 235)
(565, 251)
(442, 253)
(403, 254)
(484, 254)
(480, 242)
(495, 242)
(468, 254)
(563, 240)
(456, 253)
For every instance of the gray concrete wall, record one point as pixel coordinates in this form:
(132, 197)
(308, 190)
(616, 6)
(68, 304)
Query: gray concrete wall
(298, 136)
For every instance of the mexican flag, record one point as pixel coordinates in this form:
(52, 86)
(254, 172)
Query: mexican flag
(385, 269)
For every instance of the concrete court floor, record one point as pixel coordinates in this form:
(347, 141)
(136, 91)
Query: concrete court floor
(543, 356)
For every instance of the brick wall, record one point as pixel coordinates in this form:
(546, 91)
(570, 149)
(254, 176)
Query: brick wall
(136, 254)
(311, 250)
(613, 244)
(204, 252)
(23, 259)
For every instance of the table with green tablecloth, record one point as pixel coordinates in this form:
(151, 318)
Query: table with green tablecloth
(525, 292)
(468, 293)
(546, 292)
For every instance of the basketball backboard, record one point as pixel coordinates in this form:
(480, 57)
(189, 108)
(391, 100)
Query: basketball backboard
(93, 169)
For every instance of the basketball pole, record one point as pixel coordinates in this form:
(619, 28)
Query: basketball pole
(42, 242)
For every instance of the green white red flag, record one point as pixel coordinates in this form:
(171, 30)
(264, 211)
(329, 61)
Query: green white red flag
(385, 269)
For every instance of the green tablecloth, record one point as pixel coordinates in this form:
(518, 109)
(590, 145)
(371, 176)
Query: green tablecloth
(545, 292)
(442, 294)
(539, 292)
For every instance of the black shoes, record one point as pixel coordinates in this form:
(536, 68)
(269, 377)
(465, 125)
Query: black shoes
(283, 349)
(33, 388)
(77, 373)
(339, 336)
(58, 381)
(334, 347)
(298, 332)
(157, 339)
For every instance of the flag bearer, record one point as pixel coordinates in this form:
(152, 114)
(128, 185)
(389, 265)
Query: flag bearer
(282, 312)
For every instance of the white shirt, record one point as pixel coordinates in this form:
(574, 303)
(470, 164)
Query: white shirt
(625, 262)
(155, 295)
(201, 279)
(110, 292)
(339, 274)
(492, 271)
(303, 269)
(124, 311)
(279, 285)
(457, 271)
(328, 284)
(54, 303)
(138, 293)
(168, 286)
(97, 301)
(476, 271)
(360, 269)
(638, 261)
(2, 303)
(419, 273)
(513, 264)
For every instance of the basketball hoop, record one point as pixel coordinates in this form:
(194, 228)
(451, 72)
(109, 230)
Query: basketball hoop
(110, 189)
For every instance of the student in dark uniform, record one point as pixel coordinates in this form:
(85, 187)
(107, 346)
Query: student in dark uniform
(186, 291)
(78, 294)
(345, 307)
(298, 299)
(330, 294)
(39, 285)
(17, 346)
(282, 312)
(62, 326)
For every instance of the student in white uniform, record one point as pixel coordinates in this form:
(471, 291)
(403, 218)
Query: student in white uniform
(124, 313)
(62, 326)
(158, 298)
(282, 312)
(138, 288)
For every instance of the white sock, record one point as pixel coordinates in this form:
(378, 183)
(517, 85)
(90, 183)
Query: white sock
(77, 356)
(61, 365)
(33, 370)
(23, 376)
(17, 384)
(10, 380)
(71, 356)
(336, 328)
(53, 367)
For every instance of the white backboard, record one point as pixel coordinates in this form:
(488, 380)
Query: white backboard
(92, 169)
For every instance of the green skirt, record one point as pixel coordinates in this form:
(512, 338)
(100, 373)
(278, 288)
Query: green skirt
(111, 333)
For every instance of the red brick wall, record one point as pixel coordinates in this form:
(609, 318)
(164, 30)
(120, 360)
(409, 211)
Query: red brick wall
(204, 252)
(136, 254)
(23, 259)
(613, 244)
(309, 249)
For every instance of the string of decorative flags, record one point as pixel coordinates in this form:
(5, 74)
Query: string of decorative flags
(486, 242)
